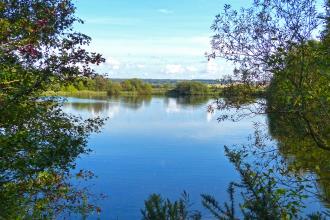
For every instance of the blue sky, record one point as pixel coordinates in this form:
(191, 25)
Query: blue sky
(154, 38)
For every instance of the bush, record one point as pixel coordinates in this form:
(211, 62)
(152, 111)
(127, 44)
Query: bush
(114, 89)
(70, 88)
(163, 209)
(136, 86)
(190, 88)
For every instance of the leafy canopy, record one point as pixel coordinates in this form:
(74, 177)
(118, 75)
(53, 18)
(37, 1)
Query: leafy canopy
(38, 141)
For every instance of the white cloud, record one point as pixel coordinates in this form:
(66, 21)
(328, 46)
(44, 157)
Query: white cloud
(163, 46)
(174, 68)
(113, 63)
(212, 67)
(192, 69)
(140, 66)
(165, 11)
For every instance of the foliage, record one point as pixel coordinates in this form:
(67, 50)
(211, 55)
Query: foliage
(211, 204)
(158, 208)
(97, 83)
(263, 196)
(114, 89)
(133, 86)
(190, 88)
(136, 86)
(303, 90)
(260, 193)
(100, 83)
(258, 37)
(238, 94)
(271, 42)
(38, 142)
(326, 31)
(38, 47)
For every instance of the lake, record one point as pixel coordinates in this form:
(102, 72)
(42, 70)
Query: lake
(157, 145)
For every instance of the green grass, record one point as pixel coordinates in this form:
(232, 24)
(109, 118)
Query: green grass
(84, 93)
(88, 93)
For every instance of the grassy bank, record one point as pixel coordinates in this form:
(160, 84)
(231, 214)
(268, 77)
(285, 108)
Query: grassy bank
(83, 93)
(89, 93)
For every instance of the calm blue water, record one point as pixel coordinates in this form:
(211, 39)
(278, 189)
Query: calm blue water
(157, 145)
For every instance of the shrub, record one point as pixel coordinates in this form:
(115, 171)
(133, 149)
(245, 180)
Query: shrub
(114, 89)
(191, 88)
(136, 86)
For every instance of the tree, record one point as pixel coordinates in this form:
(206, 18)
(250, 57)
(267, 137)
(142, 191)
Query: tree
(190, 88)
(101, 83)
(272, 43)
(127, 85)
(90, 84)
(304, 94)
(136, 86)
(114, 89)
(326, 17)
(257, 38)
(39, 45)
(38, 142)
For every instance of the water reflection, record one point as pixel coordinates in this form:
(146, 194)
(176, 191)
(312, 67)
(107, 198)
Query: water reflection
(290, 149)
(39, 147)
(111, 106)
(150, 132)
(301, 152)
(98, 106)
(196, 101)
(135, 102)
(94, 107)
(163, 145)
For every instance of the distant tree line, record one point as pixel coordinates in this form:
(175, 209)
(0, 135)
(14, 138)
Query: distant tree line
(135, 86)
(100, 83)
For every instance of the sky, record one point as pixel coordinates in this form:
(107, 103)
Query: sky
(154, 38)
